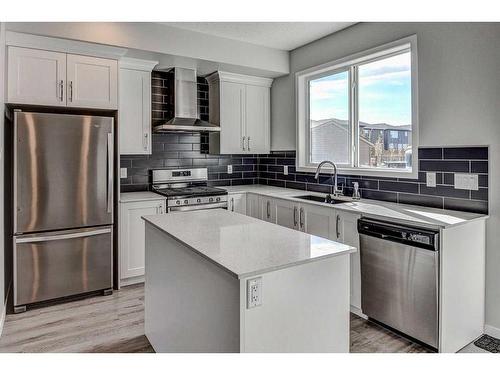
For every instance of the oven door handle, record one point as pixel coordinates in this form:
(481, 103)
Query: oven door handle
(198, 207)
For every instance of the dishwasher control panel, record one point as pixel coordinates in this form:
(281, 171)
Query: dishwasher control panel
(413, 236)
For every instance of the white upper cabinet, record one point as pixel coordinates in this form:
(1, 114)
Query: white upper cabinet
(241, 106)
(134, 107)
(48, 78)
(92, 82)
(232, 104)
(36, 77)
(257, 123)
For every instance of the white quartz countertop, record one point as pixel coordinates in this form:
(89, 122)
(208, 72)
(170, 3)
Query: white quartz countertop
(242, 245)
(138, 196)
(401, 213)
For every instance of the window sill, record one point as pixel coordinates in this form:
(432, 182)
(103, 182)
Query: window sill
(363, 172)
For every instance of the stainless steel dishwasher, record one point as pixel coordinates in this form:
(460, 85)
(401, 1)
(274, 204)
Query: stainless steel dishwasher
(399, 277)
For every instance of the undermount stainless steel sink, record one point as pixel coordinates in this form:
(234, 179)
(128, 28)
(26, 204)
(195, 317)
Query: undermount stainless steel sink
(316, 198)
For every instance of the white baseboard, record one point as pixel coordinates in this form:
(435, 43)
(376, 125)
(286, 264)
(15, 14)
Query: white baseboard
(131, 281)
(492, 331)
(357, 311)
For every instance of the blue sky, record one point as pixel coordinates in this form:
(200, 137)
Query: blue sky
(384, 93)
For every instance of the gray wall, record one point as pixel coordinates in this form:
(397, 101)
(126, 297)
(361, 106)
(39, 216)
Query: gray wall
(459, 96)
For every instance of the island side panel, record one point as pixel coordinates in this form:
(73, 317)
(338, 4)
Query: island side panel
(305, 308)
(462, 285)
(191, 305)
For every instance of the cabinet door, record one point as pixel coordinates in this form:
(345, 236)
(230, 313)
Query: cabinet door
(238, 203)
(287, 213)
(132, 235)
(318, 221)
(268, 209)
(36, 77)
(134, 112)
(257, 122)
(347, 231)
(253, 206)
(232, 103)
(92, 82)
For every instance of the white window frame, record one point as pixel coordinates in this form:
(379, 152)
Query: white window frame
(302, 79)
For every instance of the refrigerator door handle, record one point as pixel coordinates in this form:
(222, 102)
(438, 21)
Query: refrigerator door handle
(110, 172)
(65, 236)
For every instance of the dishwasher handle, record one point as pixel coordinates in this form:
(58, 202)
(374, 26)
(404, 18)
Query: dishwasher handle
(413, 236)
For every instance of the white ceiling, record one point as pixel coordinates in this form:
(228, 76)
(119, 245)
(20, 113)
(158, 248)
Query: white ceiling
(280, 35)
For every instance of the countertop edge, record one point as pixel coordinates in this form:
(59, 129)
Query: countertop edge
(141, 196)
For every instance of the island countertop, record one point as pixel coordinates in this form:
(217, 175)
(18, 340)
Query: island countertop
(242, 245)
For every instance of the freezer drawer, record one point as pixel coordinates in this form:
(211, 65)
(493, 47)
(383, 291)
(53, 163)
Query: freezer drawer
(59, 264)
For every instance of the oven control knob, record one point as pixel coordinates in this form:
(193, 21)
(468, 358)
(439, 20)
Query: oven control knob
(210, 199)
(198, 200)
(217, 199)
(186, 201)
(177, 202)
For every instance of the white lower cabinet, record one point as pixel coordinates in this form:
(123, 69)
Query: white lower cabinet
(253, 206)
(132, 237)
(237, 203)
(347, 233)
(287, 213)
(317, 220)
(268, 209)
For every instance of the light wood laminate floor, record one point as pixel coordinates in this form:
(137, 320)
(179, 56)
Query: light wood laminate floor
(115, 324)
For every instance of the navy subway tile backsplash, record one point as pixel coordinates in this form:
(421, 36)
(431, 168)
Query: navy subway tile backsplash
(444, 161)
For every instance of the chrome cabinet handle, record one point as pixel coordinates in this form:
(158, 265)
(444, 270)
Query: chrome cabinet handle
(268, 208)
(70, 91)
(295, 216)
(337, 226)
(248, 143)
(61, 88)
(244, 143)
(145, 141)
(232, 204)
(110, 172)
(301, 217)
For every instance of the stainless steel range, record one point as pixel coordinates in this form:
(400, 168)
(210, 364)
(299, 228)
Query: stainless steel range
(187, 190)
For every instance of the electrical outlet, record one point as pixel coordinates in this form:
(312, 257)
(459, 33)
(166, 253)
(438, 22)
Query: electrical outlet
(254, 292)
(466, 181)
(431, 179)
(285, 170)
(229, 169)
(123, 172)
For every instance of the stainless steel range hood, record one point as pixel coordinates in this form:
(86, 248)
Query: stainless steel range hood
(186, 117)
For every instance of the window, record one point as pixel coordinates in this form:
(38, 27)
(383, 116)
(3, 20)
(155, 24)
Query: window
(360, 112)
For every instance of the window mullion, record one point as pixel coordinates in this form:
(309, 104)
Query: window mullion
(354, 116)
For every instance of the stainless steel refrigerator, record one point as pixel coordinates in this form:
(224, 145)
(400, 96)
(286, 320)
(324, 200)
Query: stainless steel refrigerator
(63, 206)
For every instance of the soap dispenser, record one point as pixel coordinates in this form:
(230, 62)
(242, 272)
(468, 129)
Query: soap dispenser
(355, 192)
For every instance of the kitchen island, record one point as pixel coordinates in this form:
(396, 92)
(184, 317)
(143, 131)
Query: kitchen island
(218, 281)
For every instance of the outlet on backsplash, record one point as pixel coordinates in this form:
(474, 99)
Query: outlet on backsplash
(229, 169)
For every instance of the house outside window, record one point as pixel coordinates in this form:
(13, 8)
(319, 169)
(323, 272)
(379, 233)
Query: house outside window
(361, 112)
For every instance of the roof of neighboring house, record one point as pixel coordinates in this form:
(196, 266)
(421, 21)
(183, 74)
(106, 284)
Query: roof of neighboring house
(324, 125)
(344, 124)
